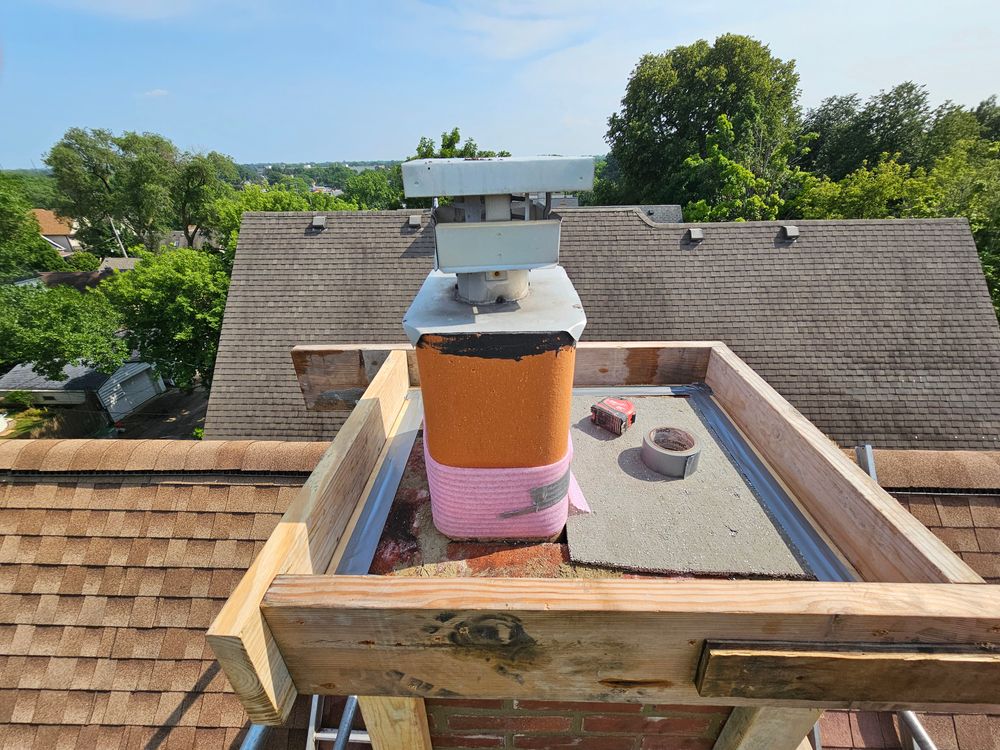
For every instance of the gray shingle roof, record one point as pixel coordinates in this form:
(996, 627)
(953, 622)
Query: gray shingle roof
(876, 330)
(78, 378)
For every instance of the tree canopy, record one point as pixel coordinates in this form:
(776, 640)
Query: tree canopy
(134, 188)
(374, 189)
(52, 328)
(172, 304)
(672, 105)
(22, 248)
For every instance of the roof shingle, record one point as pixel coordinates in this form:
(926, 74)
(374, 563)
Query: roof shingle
(878, 331)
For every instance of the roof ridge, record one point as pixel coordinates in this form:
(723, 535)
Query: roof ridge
(95, 455)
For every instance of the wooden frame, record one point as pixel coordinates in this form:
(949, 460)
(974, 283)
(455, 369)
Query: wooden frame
(287, 628)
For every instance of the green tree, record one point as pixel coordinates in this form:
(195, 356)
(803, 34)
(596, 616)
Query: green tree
(22, 248)
(889, 189)
(453, 148)
(172, 305)
(201, 180)
(38, 187)
(899, 121)
(372, 190)
(672, 104)
(135, 187)
(732, 192)
(988, 115)
(52, 328)
(83, 261)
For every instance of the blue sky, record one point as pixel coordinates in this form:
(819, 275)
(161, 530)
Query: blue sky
(300, 80)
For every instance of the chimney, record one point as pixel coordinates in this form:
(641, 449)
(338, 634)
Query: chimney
(495, 327)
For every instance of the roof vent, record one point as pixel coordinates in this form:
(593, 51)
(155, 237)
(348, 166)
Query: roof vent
(318, 223)
(696, 234)
(791, 232)
(414, 221)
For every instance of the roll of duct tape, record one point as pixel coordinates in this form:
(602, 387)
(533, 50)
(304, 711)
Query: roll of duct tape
(671, 451)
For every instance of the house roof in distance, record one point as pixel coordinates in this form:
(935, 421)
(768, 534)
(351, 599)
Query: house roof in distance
(115, 557)
(878, 331)
(53, 225)
(78, 378)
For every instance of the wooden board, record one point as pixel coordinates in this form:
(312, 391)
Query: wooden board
(882, 540)
(767, 729)
(579, 639)
(332, 377)
(395, 723)
(303, 542)
(891, 675)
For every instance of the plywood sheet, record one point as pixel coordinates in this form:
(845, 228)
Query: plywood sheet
(711, 523)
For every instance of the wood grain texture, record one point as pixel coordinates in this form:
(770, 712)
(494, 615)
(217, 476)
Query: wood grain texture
(872, 674)
(613, 363)
(881, 539)
(767, 729)
(394, 723)
(303, 542)
(577, 639)
(333, 378)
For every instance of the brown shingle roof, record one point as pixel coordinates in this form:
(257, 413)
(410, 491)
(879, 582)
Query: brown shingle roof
(878, 331)
(51, 224)
(115, 557)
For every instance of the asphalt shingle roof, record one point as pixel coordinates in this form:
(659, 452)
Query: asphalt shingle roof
(877, 331)
(115, 558)
(78, 378)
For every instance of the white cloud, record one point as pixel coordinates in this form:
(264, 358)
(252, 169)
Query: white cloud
(154, 93)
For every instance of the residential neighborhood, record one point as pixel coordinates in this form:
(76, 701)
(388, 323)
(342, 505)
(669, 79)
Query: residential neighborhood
(651, 407)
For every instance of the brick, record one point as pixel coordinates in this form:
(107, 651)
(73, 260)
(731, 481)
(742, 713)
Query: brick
(579, 743)
(575, 706)
(686, 726)
(464, 722)
(462, 742)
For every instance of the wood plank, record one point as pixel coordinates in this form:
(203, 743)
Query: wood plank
(612, 363)
(873, 674)
(767, 729)
(303, 542)
(880, 538)
(394, 723)
(333, 378)
(590, 639)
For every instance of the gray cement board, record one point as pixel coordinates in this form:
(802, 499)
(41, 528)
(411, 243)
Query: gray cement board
(709, 524)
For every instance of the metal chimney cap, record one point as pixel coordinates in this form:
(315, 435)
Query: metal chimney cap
(501, 175)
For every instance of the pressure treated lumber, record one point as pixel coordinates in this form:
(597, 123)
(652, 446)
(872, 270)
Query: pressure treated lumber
(874, 674)
(303, 542)
(332, 377)
(582, 639)
(878, 536)
(394, 723)
(767, 729)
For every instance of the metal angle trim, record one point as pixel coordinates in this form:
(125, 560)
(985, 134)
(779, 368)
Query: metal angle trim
(360, 549)
(816, 553)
